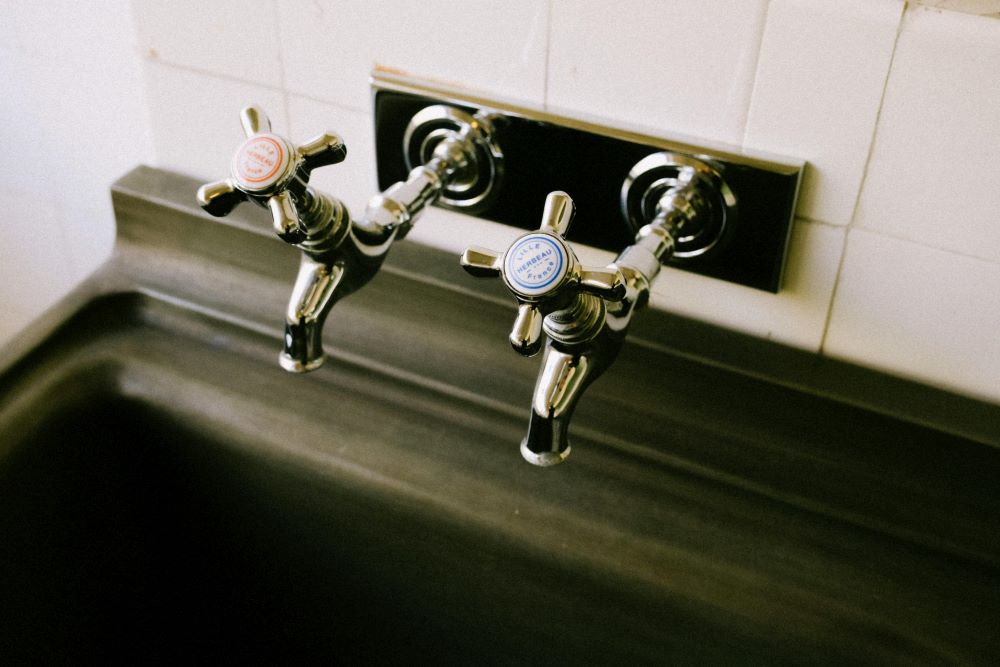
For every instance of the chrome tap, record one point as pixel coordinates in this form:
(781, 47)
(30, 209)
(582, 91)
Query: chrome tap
(339, 255)
(569, 303)
(587, 312)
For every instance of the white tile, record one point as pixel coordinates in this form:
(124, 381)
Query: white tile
(919, 312)
(75, 119)
(820, 77)
(353, 181)
(795, 316)
(330, 46)
(36, 269)
(676, 66)
(934, 166)
(196, 118)
(236, 38)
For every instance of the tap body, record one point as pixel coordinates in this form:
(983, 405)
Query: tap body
(575, 357)
(585, 338)
(567, 370)
(579, 309)
(340, 255)
(328, 274)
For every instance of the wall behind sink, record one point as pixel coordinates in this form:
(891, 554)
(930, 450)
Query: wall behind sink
(895, 255)
(73, 118)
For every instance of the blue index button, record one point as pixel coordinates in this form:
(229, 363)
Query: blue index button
(535, 264)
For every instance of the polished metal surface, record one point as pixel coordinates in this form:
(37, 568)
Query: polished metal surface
(480, 176)
(457, 157)
(683, 202)
(688, 195)
(544, 275)
(168, 495)
(568, 301)
(590, 160)
(269, 171)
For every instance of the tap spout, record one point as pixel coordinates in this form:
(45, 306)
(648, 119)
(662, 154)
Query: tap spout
(566, 372)
(560, 384)
(312, 298)
(340, 258)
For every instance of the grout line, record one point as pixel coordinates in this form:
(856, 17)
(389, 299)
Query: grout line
(756, 73)
(864, 176)
(878, 116)
(281, 66)
(929, 246)
(548, 50)
(142, 63)
(833, 293)
(160, 62)
(338, 105)
(817, 221)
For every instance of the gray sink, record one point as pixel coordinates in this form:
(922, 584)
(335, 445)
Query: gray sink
(168, 494)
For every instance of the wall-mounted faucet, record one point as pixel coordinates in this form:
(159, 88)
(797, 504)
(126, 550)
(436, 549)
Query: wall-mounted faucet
(569, 302)
(666, 200)
(585, 312)
(454, 154)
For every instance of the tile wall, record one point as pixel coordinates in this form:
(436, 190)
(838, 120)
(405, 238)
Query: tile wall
(73, 118)
(895, 254)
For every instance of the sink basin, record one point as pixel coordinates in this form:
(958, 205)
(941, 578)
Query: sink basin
(131, 534)
(169, 494)
(156, 501)
(140, 520)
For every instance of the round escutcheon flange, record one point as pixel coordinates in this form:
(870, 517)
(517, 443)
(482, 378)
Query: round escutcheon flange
(473, 187)
(713, 203)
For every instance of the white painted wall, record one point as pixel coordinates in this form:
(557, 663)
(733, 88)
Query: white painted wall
(73, 118)
(895, 256)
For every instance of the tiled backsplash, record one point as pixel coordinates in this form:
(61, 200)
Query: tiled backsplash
(895, 256)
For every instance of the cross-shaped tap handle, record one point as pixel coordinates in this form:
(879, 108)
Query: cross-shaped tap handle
(543, 273)
(271, 172)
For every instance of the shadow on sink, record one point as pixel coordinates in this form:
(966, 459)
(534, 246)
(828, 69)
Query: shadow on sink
(128, 536)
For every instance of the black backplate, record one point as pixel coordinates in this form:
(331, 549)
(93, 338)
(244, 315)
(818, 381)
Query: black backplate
(541, 156)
